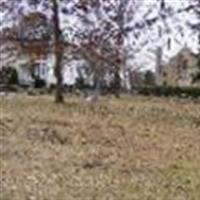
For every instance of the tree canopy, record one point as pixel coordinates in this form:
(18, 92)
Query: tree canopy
(107, 32)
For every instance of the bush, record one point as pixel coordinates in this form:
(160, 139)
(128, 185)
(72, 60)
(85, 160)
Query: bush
(8, 75)
(149, 78)
(167, 91)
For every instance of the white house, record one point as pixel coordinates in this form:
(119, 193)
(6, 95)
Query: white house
(45, 70)
(43, 67)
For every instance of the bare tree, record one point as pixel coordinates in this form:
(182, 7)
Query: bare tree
(58, 52)
(106, 29)
(196, 28)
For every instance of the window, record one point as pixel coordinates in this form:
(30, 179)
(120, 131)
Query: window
(185, 64)
(165, 83)
(164, 74)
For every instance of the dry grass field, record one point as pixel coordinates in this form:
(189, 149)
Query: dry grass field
(133, 148)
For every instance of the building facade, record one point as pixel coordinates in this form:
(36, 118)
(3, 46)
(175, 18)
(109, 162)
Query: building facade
(180, 70)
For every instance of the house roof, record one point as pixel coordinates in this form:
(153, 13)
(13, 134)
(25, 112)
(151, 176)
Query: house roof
(185, 53)
(33, 33)
(9, 52)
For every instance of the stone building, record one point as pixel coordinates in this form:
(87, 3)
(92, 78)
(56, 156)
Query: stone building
(180, 70)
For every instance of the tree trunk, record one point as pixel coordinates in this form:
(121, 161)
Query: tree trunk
(97, 87)
(58, 48)
(32, 71)
(58, 74)
(117, 83)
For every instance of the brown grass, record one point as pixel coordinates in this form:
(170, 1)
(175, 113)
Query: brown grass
(134, 148)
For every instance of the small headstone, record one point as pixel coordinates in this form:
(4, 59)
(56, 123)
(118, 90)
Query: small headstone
(3, 94)
(92, 99)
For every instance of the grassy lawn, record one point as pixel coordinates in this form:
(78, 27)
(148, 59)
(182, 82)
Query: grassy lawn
(133, 148)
